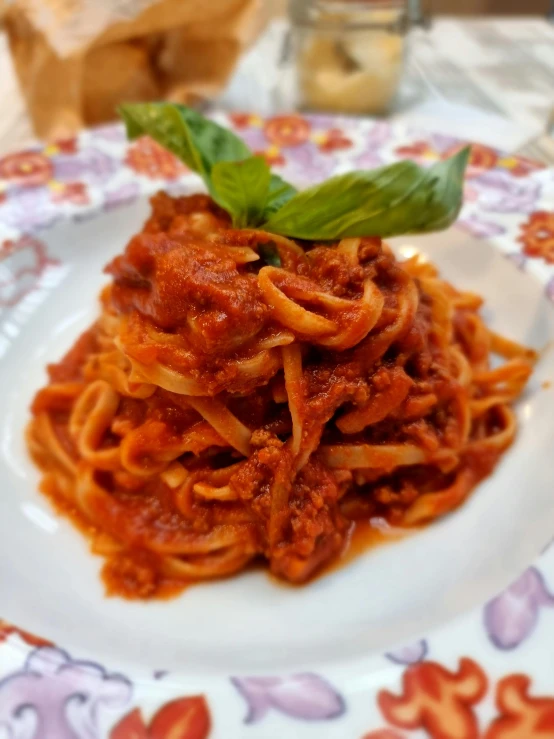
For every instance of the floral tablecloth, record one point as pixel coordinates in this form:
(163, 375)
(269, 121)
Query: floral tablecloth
(489, 674)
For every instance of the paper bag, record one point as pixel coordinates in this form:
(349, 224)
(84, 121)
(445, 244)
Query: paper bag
(76, 60)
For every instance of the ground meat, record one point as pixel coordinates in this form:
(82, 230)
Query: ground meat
(182, 285)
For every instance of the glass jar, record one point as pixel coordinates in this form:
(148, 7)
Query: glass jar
(348, 54)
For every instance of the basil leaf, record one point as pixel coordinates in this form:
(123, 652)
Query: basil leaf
(390, 201)
(202, 144)
(270, 254)
(280, 192)
(242, 188)
(197, 141)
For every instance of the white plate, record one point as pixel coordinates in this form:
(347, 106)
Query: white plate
(389, 595)
(341, 624)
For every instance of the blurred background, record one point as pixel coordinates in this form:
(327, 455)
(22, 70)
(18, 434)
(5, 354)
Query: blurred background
(478, 69)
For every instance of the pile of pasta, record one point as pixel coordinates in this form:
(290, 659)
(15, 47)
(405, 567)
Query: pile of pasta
(245, 397)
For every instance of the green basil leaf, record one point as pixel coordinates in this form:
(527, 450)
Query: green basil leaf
(197, 141)
(390, 201)
(242, 188)
(280, 192)
(270, 254)
(201, 144)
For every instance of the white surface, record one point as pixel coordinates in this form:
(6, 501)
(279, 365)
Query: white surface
(49, 582)
(506, 65)
(469, 123)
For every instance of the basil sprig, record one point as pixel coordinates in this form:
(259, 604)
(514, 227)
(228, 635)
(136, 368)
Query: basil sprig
(402, 198)
(202, 144)
(399, 199)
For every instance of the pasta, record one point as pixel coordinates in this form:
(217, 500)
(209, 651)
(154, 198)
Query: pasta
(246, 397)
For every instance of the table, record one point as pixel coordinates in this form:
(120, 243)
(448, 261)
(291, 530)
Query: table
(502, 67)
(491, 80)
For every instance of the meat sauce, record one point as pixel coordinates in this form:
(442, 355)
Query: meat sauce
(183, 303)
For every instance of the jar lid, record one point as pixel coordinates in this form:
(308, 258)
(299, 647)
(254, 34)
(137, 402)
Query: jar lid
(347, 14)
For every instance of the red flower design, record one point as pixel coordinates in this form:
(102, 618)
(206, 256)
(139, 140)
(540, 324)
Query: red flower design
(72, 192)
(29, 168)
(67, 146)
(334, 139)
(437, 700)
(442, 703)
(287, 130)
(417, 150)
(148, 158)
(25, 259)
(184, 718)
(537, 235)
(481, 158)
(6, 629)
(521, 716)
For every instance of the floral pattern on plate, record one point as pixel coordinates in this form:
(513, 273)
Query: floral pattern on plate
(537, 235)
(24, 261)
(485, 676)
(183, 718)
(53, 695)
(443, 703)
(306, 696)
(512, 616)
